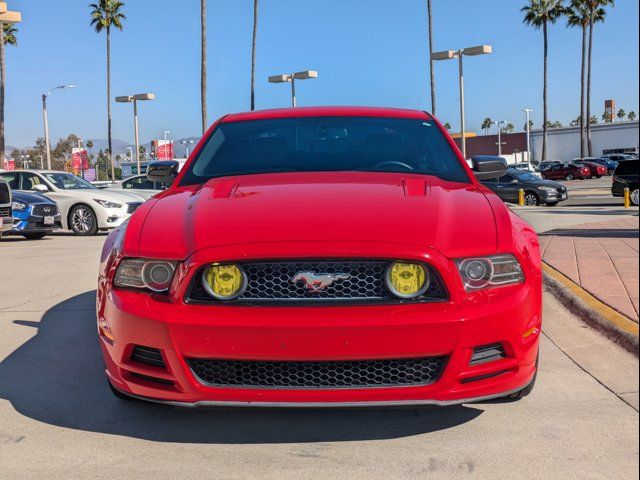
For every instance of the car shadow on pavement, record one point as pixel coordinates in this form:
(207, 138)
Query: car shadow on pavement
(592, 233)
(57, 377)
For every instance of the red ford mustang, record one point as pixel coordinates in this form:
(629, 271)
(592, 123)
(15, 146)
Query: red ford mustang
(322, 257)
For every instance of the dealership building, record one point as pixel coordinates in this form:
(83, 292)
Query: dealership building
(562, 143)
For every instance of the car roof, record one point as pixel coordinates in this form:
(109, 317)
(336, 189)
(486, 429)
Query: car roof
(327, 112)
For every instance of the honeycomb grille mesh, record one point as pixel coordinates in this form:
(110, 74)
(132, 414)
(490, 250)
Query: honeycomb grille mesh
(361, 280)
(43, 210)
(318, 375)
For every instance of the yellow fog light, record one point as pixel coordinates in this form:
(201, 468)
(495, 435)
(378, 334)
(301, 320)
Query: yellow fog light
(407, 280)
(224, 282)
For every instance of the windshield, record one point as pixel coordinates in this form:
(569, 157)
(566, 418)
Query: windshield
(317, 144)
(66, 181)
(526, 176)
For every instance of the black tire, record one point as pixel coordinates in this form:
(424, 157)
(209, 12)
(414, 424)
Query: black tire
(611, 171)
(598, 176)
(570, 177)
(83, 221)
(34, 235)
(634, 197)
(531, 199)
(118, 394)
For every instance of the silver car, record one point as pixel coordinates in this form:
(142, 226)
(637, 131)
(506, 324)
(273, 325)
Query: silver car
(85, 209)
(139, 185)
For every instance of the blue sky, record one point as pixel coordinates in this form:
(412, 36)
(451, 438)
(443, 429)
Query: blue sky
(368, 52)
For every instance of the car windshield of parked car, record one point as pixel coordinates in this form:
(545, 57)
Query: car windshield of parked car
(66, 181)
(321, 144)
(526, 176)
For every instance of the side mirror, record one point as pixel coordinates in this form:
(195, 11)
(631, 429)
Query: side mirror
(40, 188)
(486, 167)
(163, 171)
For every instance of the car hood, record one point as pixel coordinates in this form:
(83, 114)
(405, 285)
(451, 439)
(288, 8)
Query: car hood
(29, 198)
(453, 218)
(114, 196)
(547, 183)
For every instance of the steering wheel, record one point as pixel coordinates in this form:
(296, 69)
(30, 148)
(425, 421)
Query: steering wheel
(394, 162)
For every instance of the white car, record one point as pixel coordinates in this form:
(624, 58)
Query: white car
(139, 185)
(85, 209)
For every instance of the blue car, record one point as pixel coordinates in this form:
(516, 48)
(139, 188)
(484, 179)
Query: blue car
(34, 216)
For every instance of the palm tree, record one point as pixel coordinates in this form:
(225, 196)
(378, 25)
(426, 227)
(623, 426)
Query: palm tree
(7, 37)
(447, 126)
(594, 7)
(621, 114)
(431, 72)
(203, 63)
(631, 116)
(104, 15)
(486, 125)
(539, 14)
(253, 55)
(578, 15)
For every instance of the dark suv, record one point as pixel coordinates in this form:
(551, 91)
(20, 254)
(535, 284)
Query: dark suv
(536, 191)
(626, 176)
(6, 219)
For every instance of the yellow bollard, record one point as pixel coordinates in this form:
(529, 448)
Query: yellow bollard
(627, 198)
(521, 197)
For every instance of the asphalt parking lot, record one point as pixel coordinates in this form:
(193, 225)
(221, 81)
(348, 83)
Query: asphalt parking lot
(59, 420)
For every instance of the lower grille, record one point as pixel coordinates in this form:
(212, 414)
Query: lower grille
(318, 375)
(132, 207)
(150, 356)
(45, 210)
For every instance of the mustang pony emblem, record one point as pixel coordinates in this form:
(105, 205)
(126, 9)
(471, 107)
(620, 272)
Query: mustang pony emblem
(317, 282)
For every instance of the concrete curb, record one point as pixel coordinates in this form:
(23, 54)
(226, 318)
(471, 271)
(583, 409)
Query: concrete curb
(591, 310)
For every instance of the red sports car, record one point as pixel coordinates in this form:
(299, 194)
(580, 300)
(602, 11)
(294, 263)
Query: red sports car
(322, 257)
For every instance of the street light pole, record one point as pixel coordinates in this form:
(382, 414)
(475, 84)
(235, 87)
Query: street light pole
(498, 123)
(291, 78)
(47, 145)
(528, 111)
(449, 55)
(134, 99)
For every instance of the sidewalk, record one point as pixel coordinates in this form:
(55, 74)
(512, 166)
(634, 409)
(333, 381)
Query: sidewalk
(601, 257)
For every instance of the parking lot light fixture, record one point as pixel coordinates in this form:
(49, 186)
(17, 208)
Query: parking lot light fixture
(527, 112)
(291, 78)
(134, 99)
(450, 55)
(498, 123)
(47, 144)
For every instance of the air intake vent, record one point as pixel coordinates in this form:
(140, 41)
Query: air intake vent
(150, 356)
(487, 353)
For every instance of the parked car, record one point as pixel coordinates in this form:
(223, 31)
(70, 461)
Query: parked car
(34, 215)
(595, 169)
(626, 176)
(536, 190)
(6, 220)
(210, 295)
(542, 166)
(84, 208)
(608, 163)
(566, 171)
(620, 157)
(139, 185)
(524, 167)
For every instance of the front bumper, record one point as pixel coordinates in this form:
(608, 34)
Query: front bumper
(509, 316)
(6, 224)
(28, 223)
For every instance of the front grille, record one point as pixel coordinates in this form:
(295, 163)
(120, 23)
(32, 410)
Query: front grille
(364, 281)
(132, 207)
(5, 211)
(318, 375)
(45, 210)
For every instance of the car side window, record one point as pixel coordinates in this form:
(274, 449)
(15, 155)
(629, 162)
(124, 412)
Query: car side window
(30, 180)
(12, 180)
(127, 184)
(505, 179)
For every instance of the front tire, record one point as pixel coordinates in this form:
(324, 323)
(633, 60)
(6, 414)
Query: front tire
(635, 197)
(83, 221)
(531, 199)
(570, 177)
(34, 236)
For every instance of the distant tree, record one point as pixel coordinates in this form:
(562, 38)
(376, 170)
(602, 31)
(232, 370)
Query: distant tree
(530, 126)
(539, 14)
(486, 125)
(203, 64)
(432, 76)
(143, 153)
(606, 116)
(447, 126)
(621, 114)
(508, 128)
(253, 54)
(593, 120)
(631, 116)
(7, 37)
(555, 124)
(104, 15)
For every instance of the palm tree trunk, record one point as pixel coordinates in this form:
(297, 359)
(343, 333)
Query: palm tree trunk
(3, 79)
(253, 55)
(203, 63)
(544, 96)
(582, 72)
(588, 107)
(431, 62)
(109, 141)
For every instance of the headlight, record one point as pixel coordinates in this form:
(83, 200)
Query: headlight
(154, 275)
(548, 189)
(224, 282)
(108, 204)
(407, 280)
(18, 206)
(484, 272)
